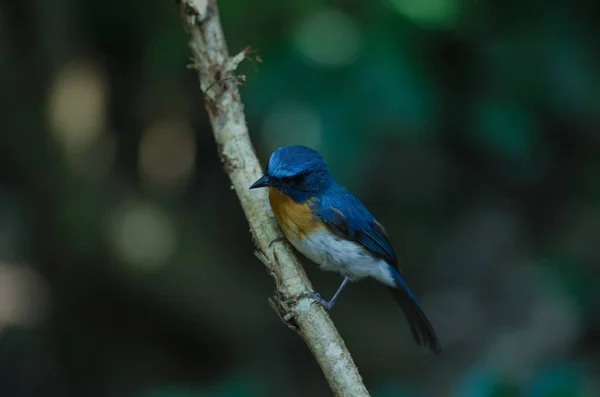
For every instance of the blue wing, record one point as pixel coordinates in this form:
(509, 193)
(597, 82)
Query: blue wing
(347, 217)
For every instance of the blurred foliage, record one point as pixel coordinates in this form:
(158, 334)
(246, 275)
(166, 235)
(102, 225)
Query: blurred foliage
(470, 129)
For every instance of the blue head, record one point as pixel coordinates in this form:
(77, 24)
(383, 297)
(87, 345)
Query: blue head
(296, 171)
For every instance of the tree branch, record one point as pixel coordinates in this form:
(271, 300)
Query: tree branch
(223, 103)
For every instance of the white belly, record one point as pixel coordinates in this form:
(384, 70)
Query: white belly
(346, 257)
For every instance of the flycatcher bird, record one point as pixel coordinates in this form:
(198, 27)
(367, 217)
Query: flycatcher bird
(331, 227)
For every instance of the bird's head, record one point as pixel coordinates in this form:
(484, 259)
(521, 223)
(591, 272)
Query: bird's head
(296, 171)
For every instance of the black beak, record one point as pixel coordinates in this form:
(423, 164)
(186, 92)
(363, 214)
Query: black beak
(264, 181)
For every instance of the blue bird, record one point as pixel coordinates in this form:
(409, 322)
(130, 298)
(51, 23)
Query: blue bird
(331, 227)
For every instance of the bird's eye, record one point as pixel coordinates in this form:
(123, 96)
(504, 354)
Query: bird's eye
(295, 179)
(298, 178)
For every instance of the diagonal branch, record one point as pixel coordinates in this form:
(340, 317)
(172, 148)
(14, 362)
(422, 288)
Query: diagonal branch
(217, 80)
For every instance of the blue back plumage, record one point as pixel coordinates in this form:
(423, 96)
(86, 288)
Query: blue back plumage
(348, 218)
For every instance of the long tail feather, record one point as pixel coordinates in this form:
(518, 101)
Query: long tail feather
(420, 326)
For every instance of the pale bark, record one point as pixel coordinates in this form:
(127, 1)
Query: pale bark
(219, 84)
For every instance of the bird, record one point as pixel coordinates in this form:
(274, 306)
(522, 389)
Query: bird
(331, 227)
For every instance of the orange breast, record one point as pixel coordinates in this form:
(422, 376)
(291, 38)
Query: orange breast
(296, 220)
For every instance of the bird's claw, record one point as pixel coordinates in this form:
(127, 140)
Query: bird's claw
(278, 239)
(317, 298)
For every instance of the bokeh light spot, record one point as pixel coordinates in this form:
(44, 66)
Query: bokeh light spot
(292, 123)
(428, 13)
(77, 107)
(167, 153)
(23, 296)
(143, 235)
(329, 38)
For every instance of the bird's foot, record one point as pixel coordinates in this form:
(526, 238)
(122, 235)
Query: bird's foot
(277, 240)
(317, 298)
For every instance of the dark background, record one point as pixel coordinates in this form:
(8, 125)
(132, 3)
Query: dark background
(471, 129)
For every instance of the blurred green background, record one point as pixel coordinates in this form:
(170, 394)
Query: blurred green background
(471, 129)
